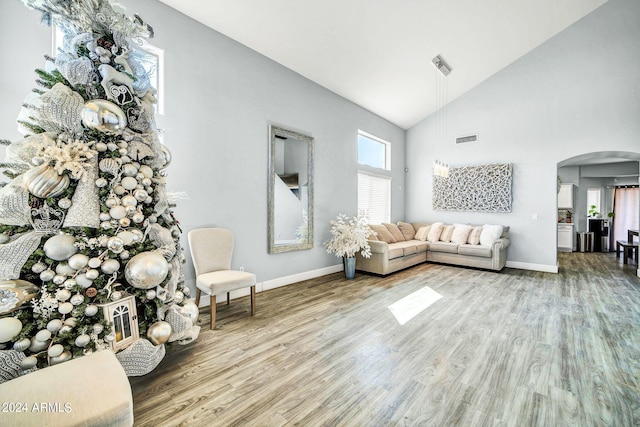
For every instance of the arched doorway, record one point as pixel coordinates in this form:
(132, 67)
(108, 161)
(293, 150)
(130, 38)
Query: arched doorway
(595, 177)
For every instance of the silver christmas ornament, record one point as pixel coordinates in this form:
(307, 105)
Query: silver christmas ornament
(92, 274)
(83, 280)
(151, 294)
(129, 182)
(190, 309)
(101, 182)
(65, 269)
(101, 147)
(59, 279)
(146, 270)
(47, 275)
(82, 340)
(70, 283)
(95, 262)
(9, 328)
(60, 247)
(22, 344)
(103, 116)
(4, 238)
(28, 362)
(78, 261)
(37, 346)
(38, 267)
(54, 325)
(65, 308)
(129, 200)
(63, 295)
(159, 332)
(71, 321)
(116, 295)
(91, 310)
(97, 328)
(110, 266)
(55, 350)
(66, 355)
(77, 299)
(115, 244)
(43, 335)
(64, 203)
(117, 212)
(43, 181)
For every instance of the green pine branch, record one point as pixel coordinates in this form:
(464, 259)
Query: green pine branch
(5, 142)
(32, 127)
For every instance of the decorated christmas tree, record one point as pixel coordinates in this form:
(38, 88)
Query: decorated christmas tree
(90, 257)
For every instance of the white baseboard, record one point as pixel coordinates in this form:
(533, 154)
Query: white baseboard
(275, 283)
(287, 280)
(534, 267)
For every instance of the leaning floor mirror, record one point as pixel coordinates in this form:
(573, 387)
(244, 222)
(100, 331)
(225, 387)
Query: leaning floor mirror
(290, 190)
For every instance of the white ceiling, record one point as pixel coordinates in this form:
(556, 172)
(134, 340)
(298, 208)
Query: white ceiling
(377, 53)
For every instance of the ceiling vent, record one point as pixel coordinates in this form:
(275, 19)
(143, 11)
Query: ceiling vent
(467, 138)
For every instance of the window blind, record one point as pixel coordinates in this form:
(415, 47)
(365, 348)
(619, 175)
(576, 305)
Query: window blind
(374, 197)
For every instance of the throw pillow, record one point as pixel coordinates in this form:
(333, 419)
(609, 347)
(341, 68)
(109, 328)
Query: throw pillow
(372, 236)
(395, 232)
(474, 235)
(435, 231)
(407, 230)
(489, 234)
(422, 233)
(447, 231)
(460, 233)
(383, 233)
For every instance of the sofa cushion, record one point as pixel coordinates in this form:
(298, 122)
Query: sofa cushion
(421, 246)
(407, 230)
(489, 234)
(422, 233)
(460, 233)
(474, 236)
(383, 233)
(395, 251)
(475, 250)
(435, 231)
(447, 231)
(395, 232)
(448, 247)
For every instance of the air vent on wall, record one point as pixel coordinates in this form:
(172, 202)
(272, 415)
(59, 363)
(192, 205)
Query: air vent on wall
(467, 138)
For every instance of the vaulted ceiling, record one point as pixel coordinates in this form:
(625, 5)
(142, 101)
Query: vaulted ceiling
(378, 53)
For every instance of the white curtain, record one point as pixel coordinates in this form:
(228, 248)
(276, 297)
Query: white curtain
(626, 206)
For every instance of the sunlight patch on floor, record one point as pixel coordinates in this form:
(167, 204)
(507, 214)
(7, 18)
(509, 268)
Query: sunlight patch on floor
(412, 305)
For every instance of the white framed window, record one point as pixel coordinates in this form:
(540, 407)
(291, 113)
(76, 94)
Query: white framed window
(374, 178)
(373, 151)
(593, 202)
(374, 197)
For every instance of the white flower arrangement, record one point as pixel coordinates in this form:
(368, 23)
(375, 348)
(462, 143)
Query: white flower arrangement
(349, 236)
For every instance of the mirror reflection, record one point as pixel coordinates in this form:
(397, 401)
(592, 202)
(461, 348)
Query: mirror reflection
(290, 190)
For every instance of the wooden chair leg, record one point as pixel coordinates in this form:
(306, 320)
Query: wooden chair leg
(228, 293)
(198, 297)
(253, 300)
(213, 311)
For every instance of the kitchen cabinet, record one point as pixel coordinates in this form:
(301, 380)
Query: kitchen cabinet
(565, 196)
(565, 237)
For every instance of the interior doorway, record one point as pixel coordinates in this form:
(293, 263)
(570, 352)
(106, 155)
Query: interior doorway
(595, 177)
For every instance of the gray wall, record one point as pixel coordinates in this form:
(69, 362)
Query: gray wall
(220, 99)
(577, 93)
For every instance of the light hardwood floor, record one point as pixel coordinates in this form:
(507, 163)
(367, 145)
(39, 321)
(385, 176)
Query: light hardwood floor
(515, 348)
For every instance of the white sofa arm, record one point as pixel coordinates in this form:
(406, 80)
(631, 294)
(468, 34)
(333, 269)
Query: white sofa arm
(502, 243)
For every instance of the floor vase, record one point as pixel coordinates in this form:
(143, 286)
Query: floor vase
(349, 267)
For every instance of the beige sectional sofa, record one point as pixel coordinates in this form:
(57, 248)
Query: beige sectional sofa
(402, 245)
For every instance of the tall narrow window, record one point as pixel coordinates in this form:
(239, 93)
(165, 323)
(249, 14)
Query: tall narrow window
(625, 212)
(374, 178)
(593, 202)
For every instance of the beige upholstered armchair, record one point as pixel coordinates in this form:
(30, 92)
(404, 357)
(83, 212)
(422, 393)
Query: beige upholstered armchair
(211, 252)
